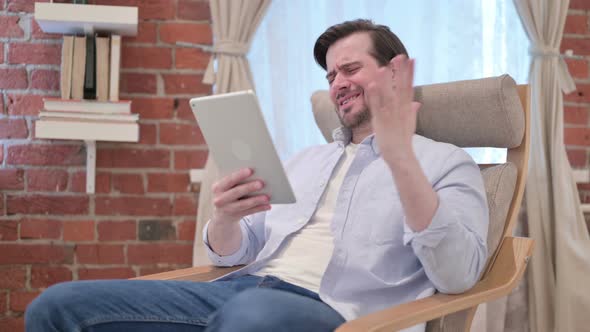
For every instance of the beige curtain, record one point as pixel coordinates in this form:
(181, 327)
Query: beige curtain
(559, 292)
(234, 25)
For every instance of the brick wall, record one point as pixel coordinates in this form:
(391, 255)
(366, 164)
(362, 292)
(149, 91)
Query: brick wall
(142, 218)
(577, 104)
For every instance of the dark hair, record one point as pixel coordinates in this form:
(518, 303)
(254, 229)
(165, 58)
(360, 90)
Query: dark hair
(386, 45)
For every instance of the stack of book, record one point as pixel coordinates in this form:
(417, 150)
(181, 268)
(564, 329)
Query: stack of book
(89, 107)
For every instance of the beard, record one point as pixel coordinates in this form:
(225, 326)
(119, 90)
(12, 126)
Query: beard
(358, 120)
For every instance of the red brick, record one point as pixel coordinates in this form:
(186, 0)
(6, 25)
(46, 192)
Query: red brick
(12, 179)
(156, 10)
(185, 205)
(37, 33)
(8, 228)
(181, 134)
(146, 33)
(186, 230)
(133, 158)
(133, 206)
(117, 230)
(128, 183)
(194, 33)
(45, 276)
(9, 27)
(577, 158)
(100, 254)
(13, 128)
(12, 277)
(19, 253)
(3, 305)
(106, 273)
(24, 104)
(185, 84)
(580, 46)
(171, 253)
(34, 54)
(43, 79)
(102, 182)
(146, 57)
(13, 78)
(575, 115)
(183, 110)
(578, 68)
(168, 182)
(12, 323)
(190, 159)
(41, 204)
(576, 24)
(40, 229)
(577, 136)
(192, 58)
(19, 300)
(153, 108)
(580, 4)
(193, 10)
(47, 180)
(148, 133)
(46, 155)
(138, 83)
(21, 5)
(78, 231)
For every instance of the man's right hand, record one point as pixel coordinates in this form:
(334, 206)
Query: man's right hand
(229, 201)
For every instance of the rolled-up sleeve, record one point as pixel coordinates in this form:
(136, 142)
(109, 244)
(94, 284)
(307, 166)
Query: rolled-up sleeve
(452, 249)
(252, 228)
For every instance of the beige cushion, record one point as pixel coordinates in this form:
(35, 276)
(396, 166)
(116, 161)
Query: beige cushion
(475, 113)
(499, 182)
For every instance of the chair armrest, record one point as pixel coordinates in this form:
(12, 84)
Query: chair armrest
(199, 273)
(505, 274)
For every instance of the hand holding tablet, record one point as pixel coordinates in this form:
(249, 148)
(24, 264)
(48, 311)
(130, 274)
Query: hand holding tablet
(238, 138)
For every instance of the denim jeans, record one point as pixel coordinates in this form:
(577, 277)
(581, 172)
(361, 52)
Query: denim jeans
(248, 303)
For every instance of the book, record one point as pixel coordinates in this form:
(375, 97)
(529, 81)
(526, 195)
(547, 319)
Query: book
(102, 68)
(85, 130)
(87, 106)
(67, 60)
(90, 116)
(78, 67)
(115, 64)
(90, 71)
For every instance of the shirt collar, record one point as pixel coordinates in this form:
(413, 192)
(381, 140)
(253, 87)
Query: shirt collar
(343, 136)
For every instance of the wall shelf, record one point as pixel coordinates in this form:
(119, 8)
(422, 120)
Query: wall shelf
(75, 19)
(71, 19)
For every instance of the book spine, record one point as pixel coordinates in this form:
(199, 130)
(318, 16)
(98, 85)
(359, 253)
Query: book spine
(90, 70)
(67, 61)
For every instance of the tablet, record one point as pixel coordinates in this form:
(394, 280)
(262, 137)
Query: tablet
(234, 129)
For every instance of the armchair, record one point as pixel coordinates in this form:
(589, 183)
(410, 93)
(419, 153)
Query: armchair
(490, 112)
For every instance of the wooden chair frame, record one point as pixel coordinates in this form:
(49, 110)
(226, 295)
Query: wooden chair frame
(504, 271)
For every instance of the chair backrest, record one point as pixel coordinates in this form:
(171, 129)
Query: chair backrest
(489, 112)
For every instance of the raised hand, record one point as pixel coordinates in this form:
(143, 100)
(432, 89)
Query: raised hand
(393, 112)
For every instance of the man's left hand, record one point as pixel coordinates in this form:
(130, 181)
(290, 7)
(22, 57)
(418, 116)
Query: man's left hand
(393, 111)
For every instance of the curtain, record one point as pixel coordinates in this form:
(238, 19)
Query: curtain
(559, 292)
(234, 24)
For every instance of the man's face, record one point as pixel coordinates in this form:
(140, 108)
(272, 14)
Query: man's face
(350, 66)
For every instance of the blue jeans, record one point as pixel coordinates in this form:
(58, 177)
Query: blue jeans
(247, 303)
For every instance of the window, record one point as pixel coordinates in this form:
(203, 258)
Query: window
(450, 40)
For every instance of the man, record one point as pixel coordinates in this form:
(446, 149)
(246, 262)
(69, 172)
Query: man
(383, 216)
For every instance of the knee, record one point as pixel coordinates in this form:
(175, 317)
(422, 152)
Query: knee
(51, 310)
(251, 310)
